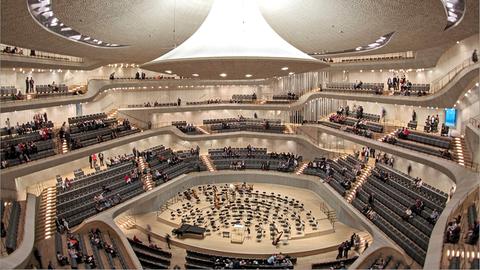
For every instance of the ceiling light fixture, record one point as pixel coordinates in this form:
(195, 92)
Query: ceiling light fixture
(284, 68)
(195, 75)
(248, 75)
(168, 71)
(223, 75)
(235, 43)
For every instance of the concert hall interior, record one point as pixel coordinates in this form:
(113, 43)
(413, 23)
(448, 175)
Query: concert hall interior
(239, 134)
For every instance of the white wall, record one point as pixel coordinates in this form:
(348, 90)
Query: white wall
(450, 59)
(68, 77)
(399, 115)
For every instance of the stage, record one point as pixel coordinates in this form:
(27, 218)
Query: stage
(293, 219)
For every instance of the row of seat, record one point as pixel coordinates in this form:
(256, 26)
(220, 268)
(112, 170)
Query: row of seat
(367, 116)
(352, 86)
(12, 227)
(48, 89)
(13, 130)
(151, 258)
(242, 119)
(8, 90)
(408, 245)
(430, 139)
(198, 260)
(76, 119)
(248, 126)
(244, 97)
(372, 126)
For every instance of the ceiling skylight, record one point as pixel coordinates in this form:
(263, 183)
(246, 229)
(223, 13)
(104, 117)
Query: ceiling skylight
(454, 9)
(41, 11)
(379, 43)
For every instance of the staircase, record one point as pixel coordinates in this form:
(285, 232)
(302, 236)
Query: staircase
(202, 130)
(206, 160)
(47, 212)
(359, 182)
(126, 222)
(301, 168)
(112, 113)
(148, 183)
(461, 154)
(364, 238)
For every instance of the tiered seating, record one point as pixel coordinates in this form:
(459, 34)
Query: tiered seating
(172, 164)
(11, 145)
(241, 119)
(77, 202)
(155, 104)
(256, 158)
(107, 129)
(422, 142)
(367, 116)
(189, 129)
(339, 174)
(197, 260)
(210, 101)
(6, 92)
(244, 98)
(349, 129)
(247, 126)
(285, 97)
(77, 119)
(44, 90)
(11, 223)
(415, 89)
(349, 87)
(336, 264)
(392, 197)
(350, 121)
(149, 257)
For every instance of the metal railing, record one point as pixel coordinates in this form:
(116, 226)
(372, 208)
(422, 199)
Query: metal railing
(438, 84)
(24, 52)
(375, 57)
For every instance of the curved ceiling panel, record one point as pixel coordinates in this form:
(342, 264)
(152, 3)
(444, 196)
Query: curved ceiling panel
(377, 44)
(41, 11)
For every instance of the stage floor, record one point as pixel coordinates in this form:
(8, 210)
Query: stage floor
(324, 238)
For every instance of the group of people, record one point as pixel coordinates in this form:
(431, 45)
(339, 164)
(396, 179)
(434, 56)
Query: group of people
(431, 124)
(347, 245)
(396, 82)
(141, 76)
(96, 160)
(29, 85)
(40, 121)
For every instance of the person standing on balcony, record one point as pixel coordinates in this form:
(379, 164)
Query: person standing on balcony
(27, 85)
(32, 82)
(474, 56)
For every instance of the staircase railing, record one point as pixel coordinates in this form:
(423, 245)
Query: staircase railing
(438, 84)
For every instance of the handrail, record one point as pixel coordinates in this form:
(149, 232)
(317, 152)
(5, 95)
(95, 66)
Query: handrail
(438, 84)
(41, 55)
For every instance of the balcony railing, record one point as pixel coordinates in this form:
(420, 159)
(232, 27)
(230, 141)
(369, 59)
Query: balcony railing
(23, 52)
(438, 84)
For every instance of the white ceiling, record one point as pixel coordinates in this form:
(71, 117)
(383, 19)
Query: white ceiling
(310, 25)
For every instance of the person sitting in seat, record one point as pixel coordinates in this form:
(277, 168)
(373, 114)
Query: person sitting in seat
(408, 214)
(432, 219)
(109, 250)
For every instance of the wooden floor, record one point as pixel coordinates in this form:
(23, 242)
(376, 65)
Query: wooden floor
(215, 243)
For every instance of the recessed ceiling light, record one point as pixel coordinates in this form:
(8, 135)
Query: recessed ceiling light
(195, 75)
(361, 70)
(291, 73)
(476, 84)
(168, 71)
(284, 68)
(458, 42)
(223, 75)
(248, 75)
